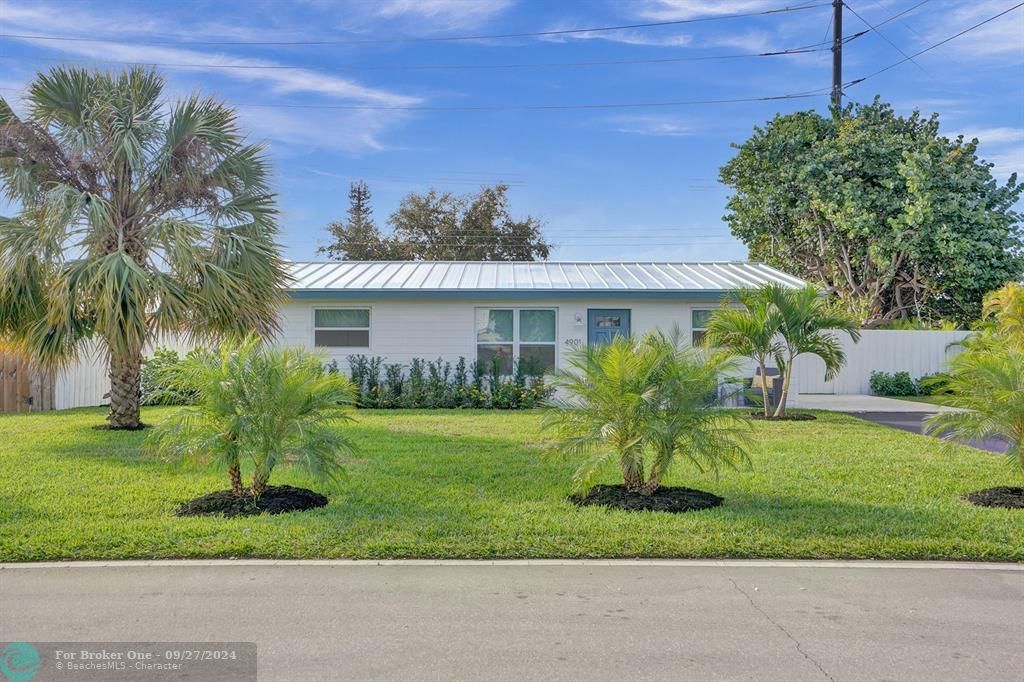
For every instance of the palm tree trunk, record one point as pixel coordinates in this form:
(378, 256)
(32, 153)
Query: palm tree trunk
(764, 388)
(787, 375)
(235, 474)
(633, 475)
(125, 397)
(653, 481)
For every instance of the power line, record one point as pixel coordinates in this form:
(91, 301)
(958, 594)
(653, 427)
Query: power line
(938, 44)
(535, 107)
(515, 107)
(434, 67)
(428, 39)
(882, 35)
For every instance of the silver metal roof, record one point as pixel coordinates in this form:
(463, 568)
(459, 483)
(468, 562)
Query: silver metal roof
(501, 276)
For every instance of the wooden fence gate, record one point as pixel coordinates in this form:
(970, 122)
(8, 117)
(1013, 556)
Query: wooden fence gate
(24, 388)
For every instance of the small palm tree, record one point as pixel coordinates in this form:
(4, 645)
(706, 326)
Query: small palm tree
(750, 332)
(604, 397)
(633, 399)
(987, 384)
(685, 419)
(266, 405)
(138, 217)
(807, 326)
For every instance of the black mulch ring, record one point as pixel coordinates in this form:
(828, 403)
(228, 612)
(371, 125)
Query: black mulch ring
(108, 427)
(276, 499)
(673, 500)
(1001, 496)
(790, 417)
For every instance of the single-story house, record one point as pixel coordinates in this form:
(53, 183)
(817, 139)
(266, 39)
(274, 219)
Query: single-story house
(516, 310)
(531, 311)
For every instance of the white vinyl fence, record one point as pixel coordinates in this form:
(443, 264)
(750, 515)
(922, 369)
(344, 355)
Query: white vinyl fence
(86, 383)
(916, 352)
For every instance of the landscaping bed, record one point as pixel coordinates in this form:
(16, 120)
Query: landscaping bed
(276, 499)
(665, 499)
(480, 484)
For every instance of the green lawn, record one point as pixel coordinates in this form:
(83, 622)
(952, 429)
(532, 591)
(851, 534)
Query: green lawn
(480, 484)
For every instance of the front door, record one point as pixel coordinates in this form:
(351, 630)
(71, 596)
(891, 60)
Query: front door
(604, 324)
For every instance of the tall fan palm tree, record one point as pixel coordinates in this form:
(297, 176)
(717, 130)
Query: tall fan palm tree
(806, 325)
(138, 217)
(750, 332)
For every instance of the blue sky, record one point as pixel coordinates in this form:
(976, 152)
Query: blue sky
(632, 183)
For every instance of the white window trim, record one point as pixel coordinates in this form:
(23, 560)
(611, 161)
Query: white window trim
(515, 342)
(330, 349)
(695, 309)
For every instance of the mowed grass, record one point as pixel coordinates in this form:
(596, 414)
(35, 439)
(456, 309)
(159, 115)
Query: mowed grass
(481, 485)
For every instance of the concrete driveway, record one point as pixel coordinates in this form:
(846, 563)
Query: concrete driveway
(547, 620)
(905, 415)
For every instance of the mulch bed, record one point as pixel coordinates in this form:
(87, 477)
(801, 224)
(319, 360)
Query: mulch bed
(276, 499)
(1001, 496)
(791, 417)
(108, 427)
(674, 500)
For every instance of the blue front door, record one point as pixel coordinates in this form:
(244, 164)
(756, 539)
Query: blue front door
(604, 324)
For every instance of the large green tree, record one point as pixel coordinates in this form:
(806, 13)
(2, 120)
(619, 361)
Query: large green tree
(894, 219)
(357, 237)
(439, 226)
(137, 217)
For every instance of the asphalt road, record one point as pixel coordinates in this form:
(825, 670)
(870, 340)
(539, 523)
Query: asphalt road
(682, 621)
(914, 422)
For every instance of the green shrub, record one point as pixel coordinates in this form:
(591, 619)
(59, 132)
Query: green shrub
(156, 379)
(934, 384)
(897, 384)
(439, 384)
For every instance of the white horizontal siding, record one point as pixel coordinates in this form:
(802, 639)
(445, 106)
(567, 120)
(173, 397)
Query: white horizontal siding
(403, 330)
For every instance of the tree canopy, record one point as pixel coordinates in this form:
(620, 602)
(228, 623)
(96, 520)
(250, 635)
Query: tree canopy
(438, 226)
(895, 220)
(136, 217)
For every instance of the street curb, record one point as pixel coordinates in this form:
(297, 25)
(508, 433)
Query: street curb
(677, 563)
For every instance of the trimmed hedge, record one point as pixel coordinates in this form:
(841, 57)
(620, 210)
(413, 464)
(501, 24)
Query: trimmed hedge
(439, 384)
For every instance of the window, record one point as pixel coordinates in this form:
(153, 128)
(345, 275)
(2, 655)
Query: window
(510, 334)
(341, 327)
(699, 324)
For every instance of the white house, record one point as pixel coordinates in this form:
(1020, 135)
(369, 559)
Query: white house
(534, 310)
(518, 310)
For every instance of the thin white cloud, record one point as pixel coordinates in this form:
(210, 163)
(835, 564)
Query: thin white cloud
(1002, 146)
(673, 10)
(450, 13)
(1002, 38)
(660, 126)
(280, 81)
(625, 36)
(341, 130)
(996, 135)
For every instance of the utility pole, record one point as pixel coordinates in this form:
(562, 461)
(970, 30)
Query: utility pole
(837, 54)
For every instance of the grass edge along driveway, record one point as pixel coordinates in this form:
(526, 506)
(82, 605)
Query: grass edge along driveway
(480, 484)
